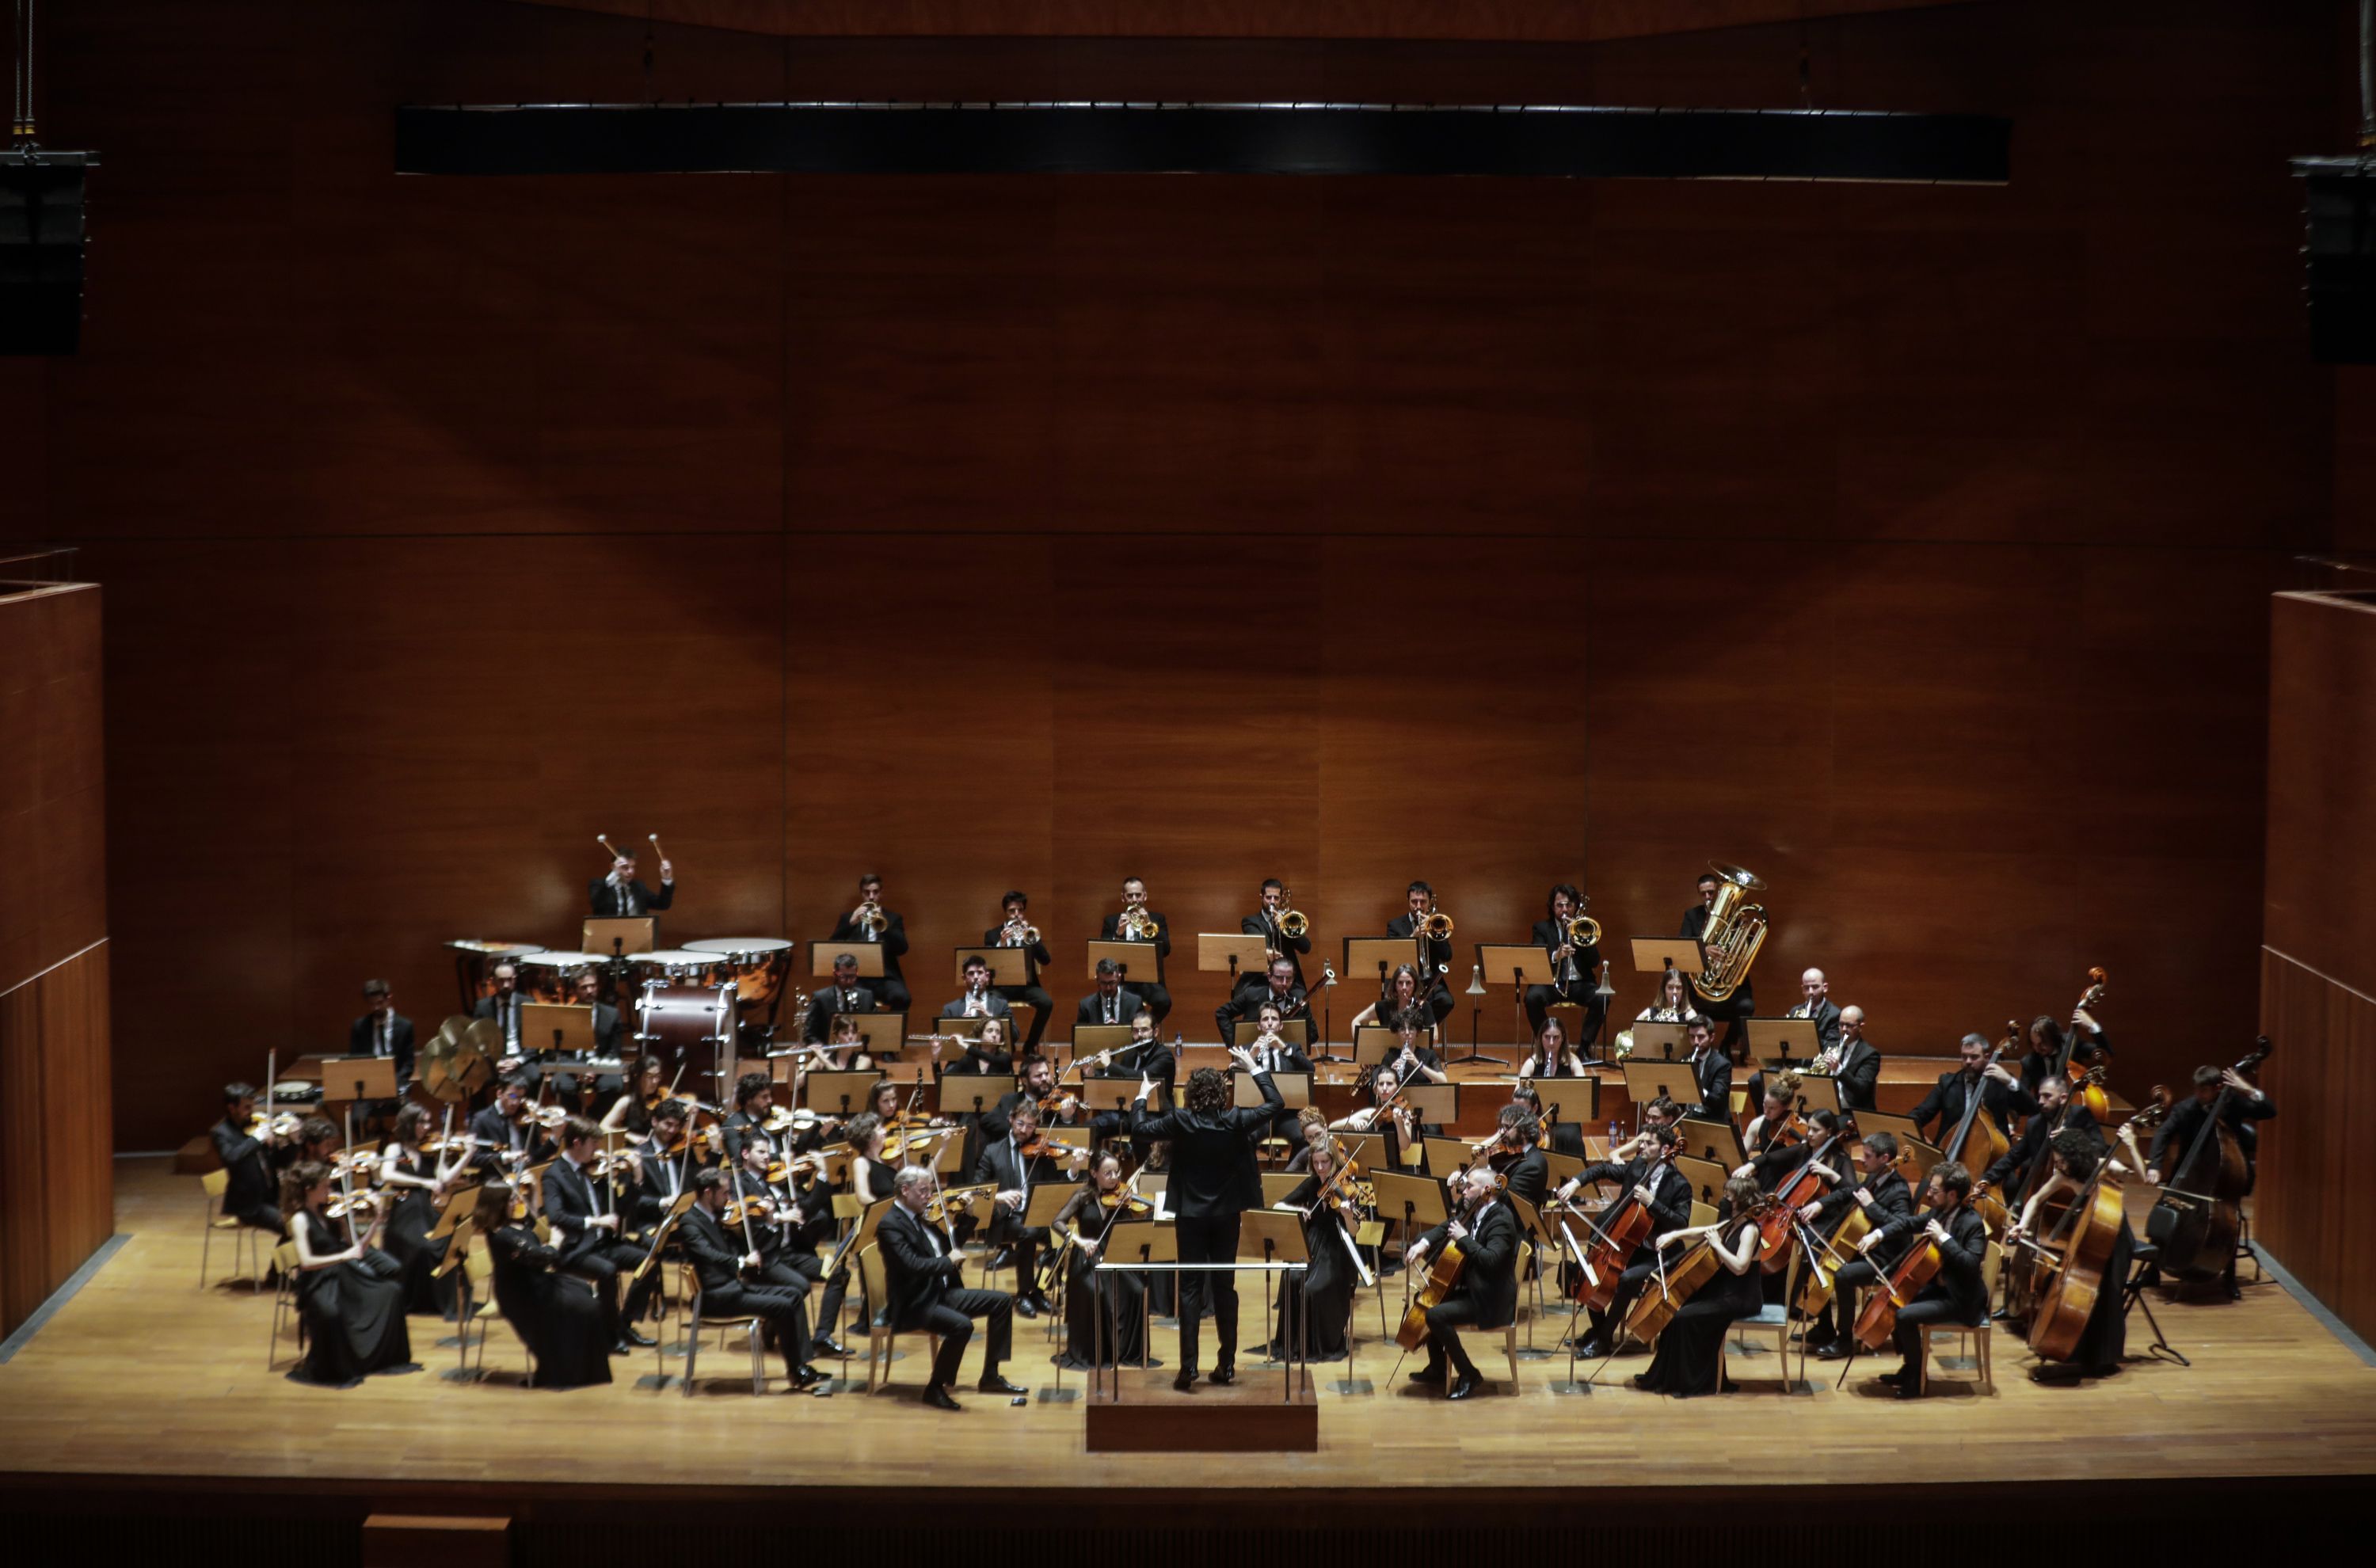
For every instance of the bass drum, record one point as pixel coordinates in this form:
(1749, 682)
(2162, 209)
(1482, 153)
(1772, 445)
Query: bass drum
(553, 977)
(677, 967)
(758, 968)
(685, 1026)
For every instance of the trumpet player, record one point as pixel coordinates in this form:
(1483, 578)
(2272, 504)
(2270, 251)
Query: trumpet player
(871, 922)
(1285, 933)
(1575, 966)
(1136, 922)
(1014, 930)
(1434, 947)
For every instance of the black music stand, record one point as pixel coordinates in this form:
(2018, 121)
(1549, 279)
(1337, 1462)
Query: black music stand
(1268, 1236)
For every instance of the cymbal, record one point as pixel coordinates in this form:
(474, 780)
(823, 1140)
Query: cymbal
(483, 1038)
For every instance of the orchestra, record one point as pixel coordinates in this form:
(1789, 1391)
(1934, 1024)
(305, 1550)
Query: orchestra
(601, 1192)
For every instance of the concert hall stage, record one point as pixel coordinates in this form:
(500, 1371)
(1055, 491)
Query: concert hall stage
(143, 1408)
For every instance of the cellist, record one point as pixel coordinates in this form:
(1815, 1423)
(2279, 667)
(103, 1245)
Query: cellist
(1486, 1294)
(1959, 1294)
(1888, 1205)
(2076, 1156)
(1651, 1179)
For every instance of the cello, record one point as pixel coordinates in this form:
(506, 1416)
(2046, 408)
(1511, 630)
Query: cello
(2088, 1233)
(1801, 1188)
(1675, 1283)
(1622, 1233)
(1900, 1283)
(2200, 1216)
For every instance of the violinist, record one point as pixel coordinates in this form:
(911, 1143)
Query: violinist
(661, 1169)
(787, 1260)
(245, 1147)
(631, 1112)
(317, 1139)
(1650, 1179)
(506, 1138)
(416, 1185)
(1486, 1294)
(1321, 1297)
(1058, 1108)
(1887, 1204)
(560, 1324)
(848, 993)
(754, 1103)
(1689, 1356)
(2023, 1167)
(1309, 1122)
(1013, 1165)
(1552, 1056)
(723, 1263)
(1515, 1154)
(1959, 1293)
(2001, 1093)
(1087, 1221)
(1776, 1141)
(1389, 1114)
(2076, 1156)
(586, 1234)
(924, 1278)
(1558, 1137)
(347, 1291)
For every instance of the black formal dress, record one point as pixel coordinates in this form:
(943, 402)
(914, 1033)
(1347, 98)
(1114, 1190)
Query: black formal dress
(353, 1311)
(405, 1238)
(1691, 1347)
(891, 991)
(1155, 996)
(1123, 1296)
(1436, 953)
(593, 1254)
(1214, 1180)
(1321, 1299)
(555, 1316)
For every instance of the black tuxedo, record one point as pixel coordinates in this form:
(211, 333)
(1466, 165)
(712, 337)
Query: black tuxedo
(1030, 990)
(1944, 1104)
(1127, 1006)
(1001, 1165)
(249, 1197)
(1713, 1073)
(603, 896)
(826, 1002)
(363, 1040)
(1487, 1293)
(1827, 1021)
(993, 1006)
(717, 1259)
(1549, 934)
(922, 1276)
(1214, 1181)
(1285, 1122)
(606, 1030)
(891, 991)
(1891, 1215)
(504, 1011)
(570, 1206)
(1434, 995)
(2024, 1164)
(1247, 1005)
(1292, 949)
(496, 1131)
(1529, 1176)
(1860, 1075)
(1734, 1010)
(1154, 994)
(1670, 1209)
(1959, 1293)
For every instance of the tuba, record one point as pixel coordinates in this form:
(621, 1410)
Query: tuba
(1735, 931)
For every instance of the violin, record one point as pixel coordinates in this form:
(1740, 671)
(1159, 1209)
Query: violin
(1121, 1204)
(266, 1124)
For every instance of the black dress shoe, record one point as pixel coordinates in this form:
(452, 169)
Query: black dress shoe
(1466, 1387)
(1907, 1391)
(637, 1338)
(1830, 1351)
(1003, 1258)
(1039, 1300)
(1640, 1381)
(1591, 1350)
(1022, 1307)
(1184, 1380)
(1892, 1379)
(1432, 1376)
(826, 1345)
(1221, 1377)
(806, 1379)
(938, 1398)
(993, 1384)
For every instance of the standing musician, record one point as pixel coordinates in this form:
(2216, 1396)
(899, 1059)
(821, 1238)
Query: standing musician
(1711, 1070)
(1888, 1206)
(1999, 1091)
(923, 1274)
(1735, 1010)
(2248, 1106)
(1111, 1002)
(1276, 988)
(1434, 954)
(1649, 1176)
(978, 1001)
(1017, 931)
(1855, 1063)
(1552, 1056)
(1486, 1294)
(586, 1236)
(2074, 1156)
(1136, 922)
(1213, 1182)
(2027, 1162)
(870, 923)
(1264, 923)
(381, 1032)
(620, 896)
(722, 1262)
(848, 993)
(246, 1150)
(1959, 1294)
(1563, 905)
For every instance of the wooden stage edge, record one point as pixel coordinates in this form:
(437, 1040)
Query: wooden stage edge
(146, 1398)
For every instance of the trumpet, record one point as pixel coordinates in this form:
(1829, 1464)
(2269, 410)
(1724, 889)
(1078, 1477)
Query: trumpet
(1137, 924)
(1017, 933)
(871, 916)
(1292, 923)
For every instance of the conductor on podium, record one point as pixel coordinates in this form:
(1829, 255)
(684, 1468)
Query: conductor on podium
(1214, 1181)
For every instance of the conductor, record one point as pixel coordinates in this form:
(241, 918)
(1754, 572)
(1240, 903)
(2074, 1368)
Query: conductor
(1214, 1181)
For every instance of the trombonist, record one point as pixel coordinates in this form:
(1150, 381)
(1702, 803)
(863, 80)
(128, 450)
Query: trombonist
(1285, 933)
(1434, 947)
(1576, 966)
(1014, 931)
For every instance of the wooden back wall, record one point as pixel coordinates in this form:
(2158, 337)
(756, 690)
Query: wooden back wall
(1910, 546)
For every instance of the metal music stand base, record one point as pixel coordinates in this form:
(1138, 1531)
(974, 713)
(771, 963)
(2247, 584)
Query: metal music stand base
(2161, 1348)
(1474, 1054)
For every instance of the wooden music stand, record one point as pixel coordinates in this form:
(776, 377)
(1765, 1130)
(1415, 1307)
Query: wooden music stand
(1706, 1176)
(1117, 1095)
(1368, 1149)
(1373, 1044)
(1717, 1141)
(1561, 1166)
(1090, 1039)
(841, 1095)
(618, 936)
(1646, 1081)
(974, 1094)
(1818, 1091)
(563, 1028)
(1658, 1042)
(1561, 1097)
(1276, 1184)
(1517, 963)
(1239, 953)
(885, 1034)
(1005, 964)
(1045, 1200)
(1656, 955)
(357, 1080)
(1365, 956)
(1124, 955)
(968, 1029)
(1781, 1043)
(868, 954)
(1437, 1103)
(1293, 1087)
(1440, 1157)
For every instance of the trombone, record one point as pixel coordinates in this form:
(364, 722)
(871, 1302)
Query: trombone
(1436, 927)
(1581, 932)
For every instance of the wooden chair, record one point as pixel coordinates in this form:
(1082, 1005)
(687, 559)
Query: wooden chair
(479, 1275)
(1974, 1336)
(211, 1188)
(284, 1303)
(881, 1339)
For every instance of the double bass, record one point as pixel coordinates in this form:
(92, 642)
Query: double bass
(2090, 1231)
(2200, 1216)
(1978, 1142)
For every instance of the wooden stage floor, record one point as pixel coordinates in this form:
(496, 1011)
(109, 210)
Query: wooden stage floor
(144, 1380)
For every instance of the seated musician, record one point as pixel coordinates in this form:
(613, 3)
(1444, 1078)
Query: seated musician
(1552, 1056)
(620, 896)
(1277, 991)
(923, 1277)
(249, 1197)
(848, 993)
(783, 1220)
(1649, 1176)
(501, 1006)
(664, 1166)
(1136, 922)
(631, 1112)
(506, 1138)
(381, 1031)
(1486, 1294)
(606, 1026)
(723, 1264)
(1563, 905)
(1855, 1065)
(871, 923)
(989, 1054)
(2043, 1058)
(1387, 1112)
(586, 1234)
(2001, 1094)
(1689, 1356)
(1674, 1004)
(847, 1050)
(1309, 1122)
(1516, 1154)
(1887, 1204)
(1735, 1010)
(2022, 1166)
(1435, 955)
(1017, 933)
(1816, 1004)
(1007, 1165)
(978, 1001)
(755, 1101)
(559, 1321)
(1959, 1294)
(1036, 1083)
(1711, 1070)
(1272, 1054)
(1111, 1002)
(1774, 1140)
(1566, 1138)
(1144, 1056)
(1412, 1059)
(317, 1139)
(1264, 923)
(2074, 1156)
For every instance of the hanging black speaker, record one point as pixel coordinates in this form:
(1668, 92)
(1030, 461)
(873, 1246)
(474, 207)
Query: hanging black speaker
(40, 251)
(2340, 198)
